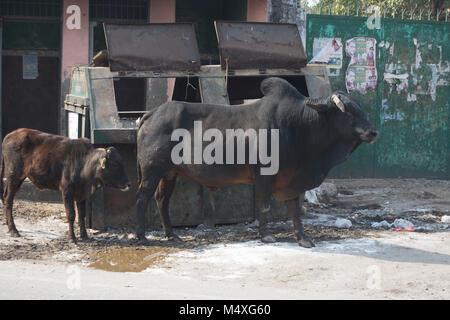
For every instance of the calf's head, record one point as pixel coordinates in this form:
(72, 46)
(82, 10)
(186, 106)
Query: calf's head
(111, 170)
(348, 119)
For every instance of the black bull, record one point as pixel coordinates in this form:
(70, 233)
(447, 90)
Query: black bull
(315, 135)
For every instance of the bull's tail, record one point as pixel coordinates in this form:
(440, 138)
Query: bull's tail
(1, 180)
(146, 116)
(138, 168)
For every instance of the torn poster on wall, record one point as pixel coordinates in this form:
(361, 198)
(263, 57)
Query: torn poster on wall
(361, 73)
(360, 78)
(327, 51)
(400, 81)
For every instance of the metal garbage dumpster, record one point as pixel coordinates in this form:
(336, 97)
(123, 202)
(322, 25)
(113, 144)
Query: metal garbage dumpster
(249, 52)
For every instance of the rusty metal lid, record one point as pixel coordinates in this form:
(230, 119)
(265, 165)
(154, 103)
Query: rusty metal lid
(259, 45)
(156, 47)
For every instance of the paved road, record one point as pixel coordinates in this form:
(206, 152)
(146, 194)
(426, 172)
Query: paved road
(390, 266)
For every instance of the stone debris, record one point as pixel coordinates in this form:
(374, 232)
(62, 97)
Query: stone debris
(321, 194)
(382, 224)
(343, 223)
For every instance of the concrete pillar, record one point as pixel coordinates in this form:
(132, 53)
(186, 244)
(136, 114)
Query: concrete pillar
(288, 11)
(160, 90)
(257, 10)
(75, 45)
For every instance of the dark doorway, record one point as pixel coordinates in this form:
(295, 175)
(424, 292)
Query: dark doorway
(203, 13)
(30, 66)
(30, 103)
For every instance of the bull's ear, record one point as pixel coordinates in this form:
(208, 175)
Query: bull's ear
(103, 162)
(318, 104)
(338, 102)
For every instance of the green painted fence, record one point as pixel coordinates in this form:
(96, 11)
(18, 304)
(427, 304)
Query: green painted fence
(414, 120)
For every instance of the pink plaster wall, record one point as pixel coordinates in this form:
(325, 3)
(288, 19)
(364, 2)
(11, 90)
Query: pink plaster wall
(257, 10)
(75, 43)
(162, 11)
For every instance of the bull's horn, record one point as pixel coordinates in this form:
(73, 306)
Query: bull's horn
(338, 102)
(318, 104)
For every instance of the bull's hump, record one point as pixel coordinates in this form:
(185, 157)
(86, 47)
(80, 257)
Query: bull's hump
(278, 87)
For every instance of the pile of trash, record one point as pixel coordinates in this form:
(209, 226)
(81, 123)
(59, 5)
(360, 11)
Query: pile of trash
(399, 224)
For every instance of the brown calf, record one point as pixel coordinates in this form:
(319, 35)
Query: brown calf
(72, 166)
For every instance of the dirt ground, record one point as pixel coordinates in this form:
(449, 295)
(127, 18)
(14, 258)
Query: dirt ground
(378, 257)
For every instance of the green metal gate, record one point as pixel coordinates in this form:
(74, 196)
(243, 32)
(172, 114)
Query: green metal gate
(410, 103)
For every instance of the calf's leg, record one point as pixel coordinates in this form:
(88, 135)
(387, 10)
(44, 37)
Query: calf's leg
(303, 211)
(162, 197)
(68, 200)
(81, 208)
(12, 186)
(294, 211)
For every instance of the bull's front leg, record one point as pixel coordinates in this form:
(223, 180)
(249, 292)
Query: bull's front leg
(294, 208)
(263, 195)
(68, 199)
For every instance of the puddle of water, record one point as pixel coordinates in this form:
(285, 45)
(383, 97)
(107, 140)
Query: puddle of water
(130, 259)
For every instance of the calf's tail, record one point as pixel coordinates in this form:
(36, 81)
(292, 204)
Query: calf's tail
(1, 180)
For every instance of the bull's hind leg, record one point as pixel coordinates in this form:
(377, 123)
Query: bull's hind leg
(12, 186)
(146, 190)
(162, 197)
(294, 208)
(263, 195)
(209, 218)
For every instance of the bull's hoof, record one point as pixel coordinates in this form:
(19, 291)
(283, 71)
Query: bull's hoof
(173, 237)
(268, 239)
(73, 240)
(14, 233)
(306, 243)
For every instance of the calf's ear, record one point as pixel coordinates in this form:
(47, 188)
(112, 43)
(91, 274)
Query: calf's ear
(103, 163)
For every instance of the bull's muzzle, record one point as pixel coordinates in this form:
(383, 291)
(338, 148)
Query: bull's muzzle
(370, 136)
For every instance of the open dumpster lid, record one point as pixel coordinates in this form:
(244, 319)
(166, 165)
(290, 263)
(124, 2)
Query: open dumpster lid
(156, 47)
(259, 45)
